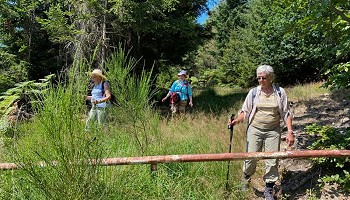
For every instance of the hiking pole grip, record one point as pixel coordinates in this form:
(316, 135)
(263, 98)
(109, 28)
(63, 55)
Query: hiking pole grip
(230, 127)
(231, 119)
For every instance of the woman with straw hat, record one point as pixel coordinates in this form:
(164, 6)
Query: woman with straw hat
(100, 95)
(184, 89)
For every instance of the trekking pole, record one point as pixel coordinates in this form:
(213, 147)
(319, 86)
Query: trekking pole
(230, 127)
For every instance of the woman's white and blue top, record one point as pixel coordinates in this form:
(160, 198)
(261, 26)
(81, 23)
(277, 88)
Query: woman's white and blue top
(97, 94)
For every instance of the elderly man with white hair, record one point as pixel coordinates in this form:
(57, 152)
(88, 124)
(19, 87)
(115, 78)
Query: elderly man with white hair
(263, 109)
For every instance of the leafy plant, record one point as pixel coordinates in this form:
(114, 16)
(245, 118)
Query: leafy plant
(55, 137)
(339, 76)
(19, 99)
(331, 138)
(134, 94)
(12, 70)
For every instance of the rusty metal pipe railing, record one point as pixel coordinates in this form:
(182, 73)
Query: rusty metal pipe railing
(154, 160)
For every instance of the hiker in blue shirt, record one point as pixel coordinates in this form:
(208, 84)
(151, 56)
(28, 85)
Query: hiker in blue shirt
(100, 95)
(184, 91)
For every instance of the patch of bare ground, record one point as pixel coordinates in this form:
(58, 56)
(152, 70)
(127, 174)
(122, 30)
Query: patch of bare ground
(299, 177)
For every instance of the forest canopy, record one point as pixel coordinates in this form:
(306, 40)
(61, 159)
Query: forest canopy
(304, 41)
(49, 48)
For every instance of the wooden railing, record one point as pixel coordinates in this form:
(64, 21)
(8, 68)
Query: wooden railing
(154, 160)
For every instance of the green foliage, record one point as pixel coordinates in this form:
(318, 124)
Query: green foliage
(57, 25)
(22, 89)
(339, 76)
(49, 34)
(159, 30)
(205, 63)
(165, 78)
(79, 26)
(237, 28)
(134, 94)
(224, 20)
(22, 96)
(12, 70)
(56, 138)
(21, 37)
(331, 138)
(306, 37)
(295, 37)
(217, 100)
(56, 133)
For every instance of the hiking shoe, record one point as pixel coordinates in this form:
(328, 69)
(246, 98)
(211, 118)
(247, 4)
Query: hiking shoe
(245, 182)
(268, 193)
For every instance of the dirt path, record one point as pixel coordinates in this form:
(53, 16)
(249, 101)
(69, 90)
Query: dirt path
(298, 176)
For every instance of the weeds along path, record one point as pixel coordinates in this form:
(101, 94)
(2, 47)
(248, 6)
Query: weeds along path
(204, 130)
(310, 104)
(299, 178)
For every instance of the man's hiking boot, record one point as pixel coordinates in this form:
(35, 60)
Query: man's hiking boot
(268, 193)
(245, 182)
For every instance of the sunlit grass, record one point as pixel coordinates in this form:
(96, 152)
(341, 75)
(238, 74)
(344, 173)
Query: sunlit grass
(306, 91)
(134, 130)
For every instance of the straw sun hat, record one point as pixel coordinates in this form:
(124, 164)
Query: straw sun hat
(98, 72)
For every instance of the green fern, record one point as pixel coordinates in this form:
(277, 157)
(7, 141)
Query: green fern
(21, 90)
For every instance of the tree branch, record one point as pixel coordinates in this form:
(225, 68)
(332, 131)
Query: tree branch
(339, 12)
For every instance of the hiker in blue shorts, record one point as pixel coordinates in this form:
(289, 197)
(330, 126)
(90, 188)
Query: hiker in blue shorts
(263, 109)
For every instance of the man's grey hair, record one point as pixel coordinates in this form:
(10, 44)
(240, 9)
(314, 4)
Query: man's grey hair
(266, 69)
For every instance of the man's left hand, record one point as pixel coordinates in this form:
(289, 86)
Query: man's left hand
(290, 138)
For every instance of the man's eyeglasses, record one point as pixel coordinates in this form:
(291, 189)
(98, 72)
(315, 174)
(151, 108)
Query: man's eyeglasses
(260, 78)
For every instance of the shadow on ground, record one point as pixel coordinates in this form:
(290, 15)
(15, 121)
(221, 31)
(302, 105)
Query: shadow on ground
(328, 109)
(207, 101)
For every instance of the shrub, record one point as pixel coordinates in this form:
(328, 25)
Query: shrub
(331, 138)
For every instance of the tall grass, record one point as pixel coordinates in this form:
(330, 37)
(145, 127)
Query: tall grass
(134, 94)
(56, 137)
(56, 133)
(306, 91)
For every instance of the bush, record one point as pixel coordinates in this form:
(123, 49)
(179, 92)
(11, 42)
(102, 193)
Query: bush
(329, 138)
